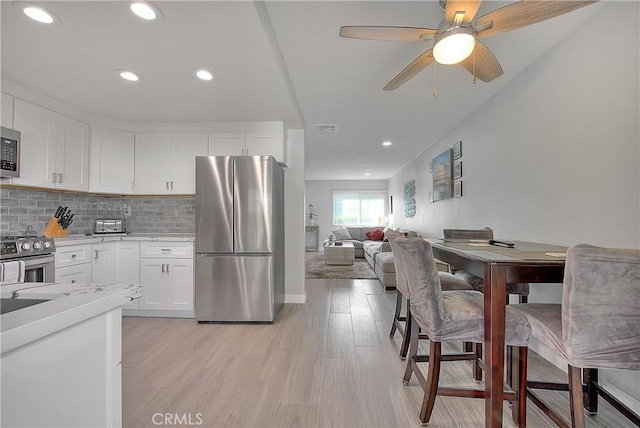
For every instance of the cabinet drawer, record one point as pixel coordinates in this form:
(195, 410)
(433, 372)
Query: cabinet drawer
(73, 255)
(169, 250)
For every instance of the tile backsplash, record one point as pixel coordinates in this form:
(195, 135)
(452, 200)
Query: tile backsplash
(20, 207)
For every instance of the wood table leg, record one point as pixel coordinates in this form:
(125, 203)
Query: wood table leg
(494, 333)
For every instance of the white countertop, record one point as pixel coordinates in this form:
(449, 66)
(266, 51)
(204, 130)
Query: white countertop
(92, 239)
(69, 305)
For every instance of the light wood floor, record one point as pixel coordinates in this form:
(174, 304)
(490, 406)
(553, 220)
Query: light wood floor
(327, 363)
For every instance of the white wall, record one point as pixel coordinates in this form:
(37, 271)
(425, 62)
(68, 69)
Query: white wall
(294, 218)
(320, 194)
(555, 156)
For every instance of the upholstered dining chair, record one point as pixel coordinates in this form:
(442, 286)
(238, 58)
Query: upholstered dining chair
(452, 316)
(520, 289)
(402, 324)
(597, 326)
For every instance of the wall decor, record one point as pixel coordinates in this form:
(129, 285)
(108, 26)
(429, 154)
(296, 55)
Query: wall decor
(430, 165)
(442, 181)
(410, 198)
(457, 169)
(457, 150)
(457, 189)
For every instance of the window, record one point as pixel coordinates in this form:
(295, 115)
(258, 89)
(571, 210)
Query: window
(358, 208)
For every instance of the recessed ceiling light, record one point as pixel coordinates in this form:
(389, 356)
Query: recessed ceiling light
(366, 173)
(387, 143)
(129, 75)
(38, 13)
(205, 74)
(146, 10)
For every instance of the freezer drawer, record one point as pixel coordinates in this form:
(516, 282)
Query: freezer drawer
(235, 288)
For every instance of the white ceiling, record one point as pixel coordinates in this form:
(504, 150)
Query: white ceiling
(273, 61)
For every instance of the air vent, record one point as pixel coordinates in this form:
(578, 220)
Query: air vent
(327, 127)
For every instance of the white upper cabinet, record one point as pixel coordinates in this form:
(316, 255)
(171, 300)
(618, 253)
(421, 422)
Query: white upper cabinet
(6, 110)
(248, 144)
(165, 163)
(227, 143)
(54, 149)
(185, 147)
(112, 161)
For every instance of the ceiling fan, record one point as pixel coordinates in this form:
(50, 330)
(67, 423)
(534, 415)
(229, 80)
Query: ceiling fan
(456, 41)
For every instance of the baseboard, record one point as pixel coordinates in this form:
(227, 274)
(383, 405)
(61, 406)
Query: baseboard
(295, 298)
(157, 313)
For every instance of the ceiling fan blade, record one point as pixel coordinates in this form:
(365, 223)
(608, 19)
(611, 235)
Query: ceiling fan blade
(411, 70)
(523, 13)
(469, 7)
(487, 66)
(401, 34)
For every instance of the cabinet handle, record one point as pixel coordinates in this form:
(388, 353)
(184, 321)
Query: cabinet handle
(59, 177)
(132, 185)
(167, 267)
(162, 267)
(167, 185)
(172, 185)
(165, 250)
(53, 177)
(73, 281)
(73, 256)
(96, 254)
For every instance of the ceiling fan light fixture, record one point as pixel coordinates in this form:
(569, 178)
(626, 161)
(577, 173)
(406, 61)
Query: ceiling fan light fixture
(453, 45)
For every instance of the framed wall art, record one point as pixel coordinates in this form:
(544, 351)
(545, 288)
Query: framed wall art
(457, 169)
(457, 189)
(410, 198)
(457, 150)
(442, 182)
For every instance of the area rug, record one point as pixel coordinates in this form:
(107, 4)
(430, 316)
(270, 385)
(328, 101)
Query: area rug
(316, 269)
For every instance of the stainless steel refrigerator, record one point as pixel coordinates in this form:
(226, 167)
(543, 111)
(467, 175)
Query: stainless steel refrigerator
(239, 245)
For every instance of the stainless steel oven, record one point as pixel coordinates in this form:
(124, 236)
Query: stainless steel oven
(35, 257)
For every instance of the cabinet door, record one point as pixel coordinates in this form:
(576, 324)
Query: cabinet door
(179, 282)
(266, 143)
(112, 161)
(102, 263)
(72, 255)
(185, 147)
(227, 143)
(152, 278)
(6, 110)
(152, 164)
(72, 158)
(127, 267)
(38, 146)
(77, 274)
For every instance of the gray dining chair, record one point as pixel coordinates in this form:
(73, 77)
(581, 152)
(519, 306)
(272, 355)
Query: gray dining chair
(597, 325)
(452, 316)
(402, 324)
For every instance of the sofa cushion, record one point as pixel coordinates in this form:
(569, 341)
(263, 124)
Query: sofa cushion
(375, 234)
(356, 244)
(384, 262)
(356, 233)
(342, 234)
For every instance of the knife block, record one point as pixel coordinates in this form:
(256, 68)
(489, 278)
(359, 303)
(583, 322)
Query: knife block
(53, 229)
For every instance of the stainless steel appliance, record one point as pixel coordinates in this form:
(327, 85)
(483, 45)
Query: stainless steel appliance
(239, 245)
(9, 153)
(37, 253)
(111, 225)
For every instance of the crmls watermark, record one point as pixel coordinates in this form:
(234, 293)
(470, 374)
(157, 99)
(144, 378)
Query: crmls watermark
(189, 419)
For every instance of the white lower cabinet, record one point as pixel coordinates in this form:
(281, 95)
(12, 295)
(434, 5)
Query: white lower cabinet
(78, 274)
(127, 267)
(102, 263)
(166, 276)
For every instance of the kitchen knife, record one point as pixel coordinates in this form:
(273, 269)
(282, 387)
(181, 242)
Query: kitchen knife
(62, 214)
(67, 220)
(58, 213)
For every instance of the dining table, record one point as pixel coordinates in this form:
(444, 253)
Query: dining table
(500, 263)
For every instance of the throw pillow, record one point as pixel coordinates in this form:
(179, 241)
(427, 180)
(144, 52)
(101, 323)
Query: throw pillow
(341, 233)
(375, 234)
(392, 234)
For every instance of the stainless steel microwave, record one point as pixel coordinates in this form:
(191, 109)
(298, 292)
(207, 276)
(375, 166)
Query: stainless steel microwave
(9, 153)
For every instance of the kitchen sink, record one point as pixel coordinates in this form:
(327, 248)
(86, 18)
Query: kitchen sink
(9, 305)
